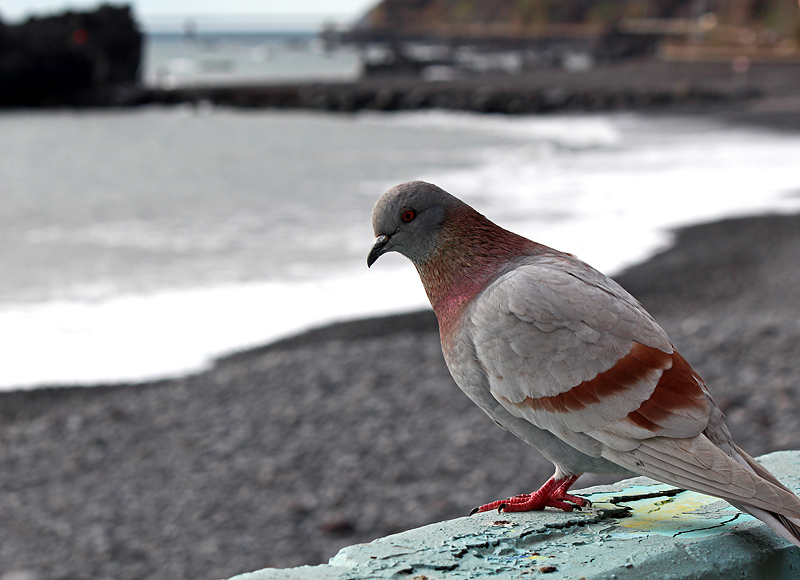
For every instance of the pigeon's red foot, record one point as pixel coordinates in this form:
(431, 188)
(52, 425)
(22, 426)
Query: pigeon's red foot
(552, 494)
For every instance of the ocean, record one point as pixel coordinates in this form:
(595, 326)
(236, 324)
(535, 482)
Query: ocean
(141, 244)
(174, 59)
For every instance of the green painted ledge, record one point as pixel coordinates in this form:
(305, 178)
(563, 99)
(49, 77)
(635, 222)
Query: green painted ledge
(634, 531)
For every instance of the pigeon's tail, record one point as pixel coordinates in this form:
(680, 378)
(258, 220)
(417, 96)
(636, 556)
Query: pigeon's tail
(791, 529)
(785, 526)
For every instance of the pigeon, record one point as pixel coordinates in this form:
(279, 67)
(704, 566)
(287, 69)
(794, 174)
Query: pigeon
(568, 361)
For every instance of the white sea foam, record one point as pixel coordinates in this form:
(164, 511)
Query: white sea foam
(577, 132)
(140, 337)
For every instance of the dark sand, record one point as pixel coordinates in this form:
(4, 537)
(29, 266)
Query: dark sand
(282, 455)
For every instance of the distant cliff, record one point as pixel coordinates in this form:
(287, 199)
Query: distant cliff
(514, 18)
(73, 58)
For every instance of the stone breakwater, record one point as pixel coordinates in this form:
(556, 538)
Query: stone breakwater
(639, 85)
(394, 96)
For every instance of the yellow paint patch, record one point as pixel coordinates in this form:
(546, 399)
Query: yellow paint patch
(680, 514)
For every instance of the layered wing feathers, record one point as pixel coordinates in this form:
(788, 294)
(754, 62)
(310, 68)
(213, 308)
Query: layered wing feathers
(576, 352)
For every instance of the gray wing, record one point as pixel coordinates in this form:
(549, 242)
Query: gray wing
(570, 350)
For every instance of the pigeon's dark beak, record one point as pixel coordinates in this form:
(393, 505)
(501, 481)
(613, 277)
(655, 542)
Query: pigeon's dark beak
(378, 249)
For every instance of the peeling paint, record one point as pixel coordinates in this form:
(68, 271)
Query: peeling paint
(686, 513)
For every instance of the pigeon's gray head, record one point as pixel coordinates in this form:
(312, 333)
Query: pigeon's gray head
(408, 219)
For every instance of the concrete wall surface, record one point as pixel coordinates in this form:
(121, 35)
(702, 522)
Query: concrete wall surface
(637, 529)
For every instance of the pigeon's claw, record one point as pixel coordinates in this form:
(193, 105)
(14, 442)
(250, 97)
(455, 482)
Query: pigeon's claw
(552, 494)
(579, 501)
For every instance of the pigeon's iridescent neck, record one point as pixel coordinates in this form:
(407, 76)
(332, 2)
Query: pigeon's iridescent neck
(471, 252)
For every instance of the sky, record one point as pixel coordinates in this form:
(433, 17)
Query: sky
(156, 15)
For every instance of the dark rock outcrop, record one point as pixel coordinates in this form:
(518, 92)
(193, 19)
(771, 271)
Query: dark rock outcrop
(74, 58)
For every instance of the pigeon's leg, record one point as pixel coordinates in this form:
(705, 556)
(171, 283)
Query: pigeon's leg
(552, 494)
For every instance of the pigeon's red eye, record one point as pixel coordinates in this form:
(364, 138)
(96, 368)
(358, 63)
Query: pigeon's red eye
(408, 215)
